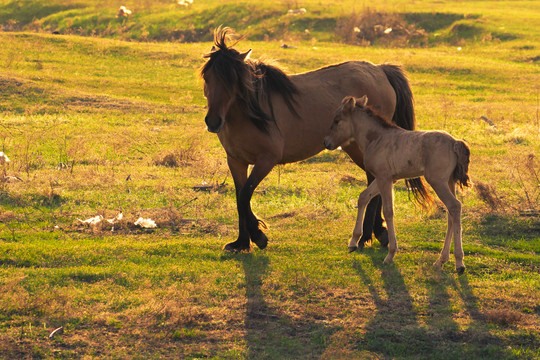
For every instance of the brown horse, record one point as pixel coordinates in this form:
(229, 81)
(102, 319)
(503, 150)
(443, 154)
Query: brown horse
(391, 154)
(265, 117)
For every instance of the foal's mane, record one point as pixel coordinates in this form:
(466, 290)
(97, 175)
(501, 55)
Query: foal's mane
(374, 114)
(256, 80)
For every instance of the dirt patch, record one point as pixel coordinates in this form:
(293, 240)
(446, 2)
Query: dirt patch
(166, 219)
(179, 158)
(503, 317)
(373, 27)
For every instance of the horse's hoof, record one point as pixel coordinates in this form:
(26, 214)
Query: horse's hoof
(383, 238)
(363, 241)
(460, 270)
(234, 247)
(260, 240)
(352, 249)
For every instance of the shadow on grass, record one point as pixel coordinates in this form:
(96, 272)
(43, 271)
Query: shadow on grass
(271, 334)
(509, 228)
(400, 330)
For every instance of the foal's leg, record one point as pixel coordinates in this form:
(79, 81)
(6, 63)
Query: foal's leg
(363, 200)
(386, 188)
(447, 195)
(445, 253)
(373, 221)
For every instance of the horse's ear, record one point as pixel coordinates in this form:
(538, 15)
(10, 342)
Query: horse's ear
(348, 103)
(363, 101)
(212, 50)
(245, 55)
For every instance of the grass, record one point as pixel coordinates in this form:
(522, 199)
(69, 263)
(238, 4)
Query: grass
(97, 126)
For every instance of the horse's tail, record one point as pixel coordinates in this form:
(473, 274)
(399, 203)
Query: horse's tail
(404, 112)
(418, 188)
(461, 176)
(404, 118)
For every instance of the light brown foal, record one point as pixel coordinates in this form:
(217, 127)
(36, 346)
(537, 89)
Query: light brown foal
(392, 153)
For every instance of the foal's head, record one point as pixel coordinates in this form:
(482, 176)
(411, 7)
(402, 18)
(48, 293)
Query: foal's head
(226, 76)
(342, 129)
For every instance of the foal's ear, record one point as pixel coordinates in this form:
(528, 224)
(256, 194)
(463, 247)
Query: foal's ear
(348, 103)
(245, 55)
(363, 101)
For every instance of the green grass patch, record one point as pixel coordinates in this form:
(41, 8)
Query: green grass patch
(97, 126)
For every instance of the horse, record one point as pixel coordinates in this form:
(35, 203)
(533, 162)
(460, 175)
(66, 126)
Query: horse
(265, 117)
(392, 153)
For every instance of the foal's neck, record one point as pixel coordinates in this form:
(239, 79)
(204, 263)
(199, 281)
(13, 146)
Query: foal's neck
(367, 128)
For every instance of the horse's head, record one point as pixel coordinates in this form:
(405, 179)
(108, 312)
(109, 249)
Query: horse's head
(224, 77)
(342, 128)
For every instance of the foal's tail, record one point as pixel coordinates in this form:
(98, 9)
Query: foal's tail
(461, 176)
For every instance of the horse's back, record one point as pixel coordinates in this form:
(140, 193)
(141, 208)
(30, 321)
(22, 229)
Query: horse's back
(320, 94)
(351, 78)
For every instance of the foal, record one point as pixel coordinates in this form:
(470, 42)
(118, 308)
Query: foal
(391, 154)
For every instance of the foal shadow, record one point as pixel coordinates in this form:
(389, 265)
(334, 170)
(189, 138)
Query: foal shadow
(394, 329)
(269, 333)
(401, 329)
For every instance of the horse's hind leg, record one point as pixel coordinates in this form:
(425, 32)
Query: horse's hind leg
(363, 200)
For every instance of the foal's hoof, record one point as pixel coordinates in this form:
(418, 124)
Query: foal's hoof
(260, 239)
(383, 238)
(352, 249)
(460, 270)
(235, 247)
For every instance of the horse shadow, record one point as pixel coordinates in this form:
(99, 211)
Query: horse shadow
(269, 332)
(403, 328)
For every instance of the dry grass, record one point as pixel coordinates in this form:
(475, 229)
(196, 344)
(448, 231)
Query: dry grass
(524, 194)
(374, 27)
(505, 317)
(489, 196)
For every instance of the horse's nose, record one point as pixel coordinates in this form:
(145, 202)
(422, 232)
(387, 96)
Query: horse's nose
(213, 126)
(327, 144)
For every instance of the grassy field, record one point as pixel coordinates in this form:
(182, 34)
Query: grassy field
(97, 125)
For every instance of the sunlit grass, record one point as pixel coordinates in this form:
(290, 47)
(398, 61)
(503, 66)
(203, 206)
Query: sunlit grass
(111, 111)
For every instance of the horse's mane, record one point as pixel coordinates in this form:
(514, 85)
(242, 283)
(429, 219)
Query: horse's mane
(374, 114)
(256, 80)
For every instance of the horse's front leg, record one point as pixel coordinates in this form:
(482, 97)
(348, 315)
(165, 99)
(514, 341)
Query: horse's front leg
(239, 173)
(262, 167)
(363, 200)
